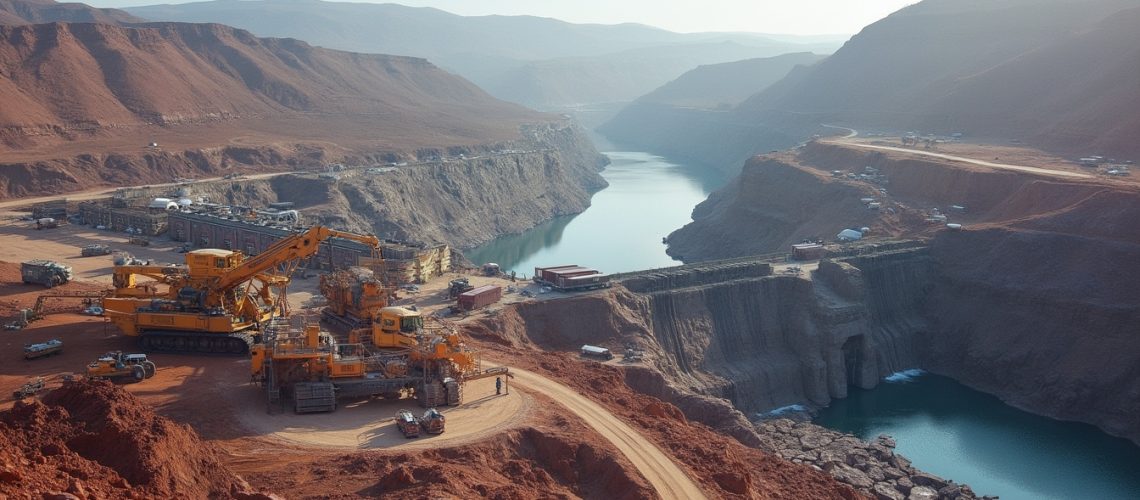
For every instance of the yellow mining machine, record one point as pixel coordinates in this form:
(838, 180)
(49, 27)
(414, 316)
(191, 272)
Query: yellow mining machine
(218, 300)
(352, 295)
(308, 366)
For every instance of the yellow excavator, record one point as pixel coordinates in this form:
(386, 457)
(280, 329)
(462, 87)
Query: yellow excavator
(218, 300)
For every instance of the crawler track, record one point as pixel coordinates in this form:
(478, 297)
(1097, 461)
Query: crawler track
(175, 342)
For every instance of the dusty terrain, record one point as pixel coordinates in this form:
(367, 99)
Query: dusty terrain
(514, 445)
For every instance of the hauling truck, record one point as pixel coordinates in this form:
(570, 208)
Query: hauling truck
(45, 272)
(571, 278)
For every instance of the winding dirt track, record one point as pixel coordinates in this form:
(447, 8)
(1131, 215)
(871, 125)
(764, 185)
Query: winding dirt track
(1002, 166)
(668, 479)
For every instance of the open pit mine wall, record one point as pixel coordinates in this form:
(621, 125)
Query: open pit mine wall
(462, 202)
(1045, 321)
(765, 342)
(971, 305)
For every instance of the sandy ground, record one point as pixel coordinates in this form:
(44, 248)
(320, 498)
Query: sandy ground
(21, 241)
(368, 424)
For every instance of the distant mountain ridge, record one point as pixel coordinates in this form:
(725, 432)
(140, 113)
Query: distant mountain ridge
(1061, 75)
(63, 77)
(531, 60)
(48, 11)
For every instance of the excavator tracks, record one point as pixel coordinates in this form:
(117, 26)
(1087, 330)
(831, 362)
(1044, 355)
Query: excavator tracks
(175, 342)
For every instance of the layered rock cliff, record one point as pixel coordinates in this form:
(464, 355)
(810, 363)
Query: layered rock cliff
(1033, 302)
(489, 192)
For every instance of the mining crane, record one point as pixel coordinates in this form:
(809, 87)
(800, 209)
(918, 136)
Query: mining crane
(217, 301)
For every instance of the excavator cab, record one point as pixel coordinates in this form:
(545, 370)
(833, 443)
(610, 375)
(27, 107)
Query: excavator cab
(400, 320)
(211, 262)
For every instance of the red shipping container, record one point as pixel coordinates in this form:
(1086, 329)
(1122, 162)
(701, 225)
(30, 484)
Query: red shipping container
(480, 297)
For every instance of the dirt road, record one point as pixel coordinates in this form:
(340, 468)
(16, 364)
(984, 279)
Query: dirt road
(7, 205)
(1001, 166)
(665, 476)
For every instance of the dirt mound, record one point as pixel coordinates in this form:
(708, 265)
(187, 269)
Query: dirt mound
(91, 438)
(518, 464)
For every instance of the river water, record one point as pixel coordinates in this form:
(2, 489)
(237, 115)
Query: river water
(958, 433)
(648, 198)
(944, 427)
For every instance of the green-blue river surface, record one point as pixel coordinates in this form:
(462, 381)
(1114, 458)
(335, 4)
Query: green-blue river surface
(648, 198)
(955, 432)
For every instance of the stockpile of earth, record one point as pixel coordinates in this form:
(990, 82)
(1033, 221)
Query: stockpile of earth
(91, 439)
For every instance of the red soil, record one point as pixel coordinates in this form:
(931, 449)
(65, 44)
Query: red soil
(93, 439)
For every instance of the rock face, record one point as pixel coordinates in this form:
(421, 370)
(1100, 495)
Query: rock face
(1034, 305)
(462, 202)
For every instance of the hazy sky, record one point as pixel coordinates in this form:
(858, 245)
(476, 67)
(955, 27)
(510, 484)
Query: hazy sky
(801, 17)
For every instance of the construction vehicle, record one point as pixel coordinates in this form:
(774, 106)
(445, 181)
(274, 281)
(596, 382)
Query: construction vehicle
(309, 366)
(218, 301)
(408, 424)
(351, 297)
(458, 286)
(45, 272)
(30, 388)
(117, 365)
(43, 349)
(141, 241)
(95, 250)
(433, 421)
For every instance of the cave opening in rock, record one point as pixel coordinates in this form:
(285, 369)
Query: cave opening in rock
(853, 357)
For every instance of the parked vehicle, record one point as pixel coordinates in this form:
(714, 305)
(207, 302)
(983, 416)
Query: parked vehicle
(45, 272)
(408, 424)
(433, 421)
(117, 365)
(42, 349)
(95, 250)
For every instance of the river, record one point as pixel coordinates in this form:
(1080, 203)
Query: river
(647, 198)
(958, 433)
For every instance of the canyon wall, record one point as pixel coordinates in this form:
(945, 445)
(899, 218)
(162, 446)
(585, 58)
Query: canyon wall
(463, 201)
(1045, 321)
(1035, 301)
